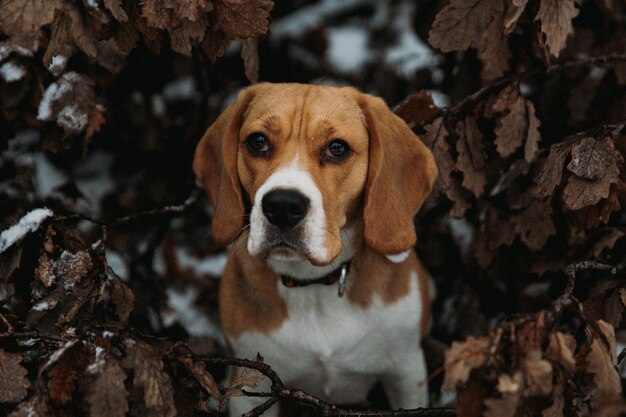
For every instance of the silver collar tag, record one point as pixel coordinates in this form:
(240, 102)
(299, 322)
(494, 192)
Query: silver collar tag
(342, 280)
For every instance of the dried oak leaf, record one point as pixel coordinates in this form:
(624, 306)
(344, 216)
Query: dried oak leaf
(250, 56)
(561, 350)
(116, 9)
(107, 396)
(158, 394)
(193, 9)
(471, 160)
(582, 192)
(215, 43)
(36, 406)
(513, 13)
(44, 272)
(534, 224)
(601, 361)
(71, 102)
(68, 362)
(518, 126)
(246, 378)
(25, 44)
(71, 268)
(435, 138)
(462, 358)
(21, 16)
(462, 23)
(419, 108)
(123, 298)
(537, 374)
(594, 215)
(13, 382)
(493, 49)
(510, 389)
(204, 378)
(243, 19)
(556, 22)
(549, 177)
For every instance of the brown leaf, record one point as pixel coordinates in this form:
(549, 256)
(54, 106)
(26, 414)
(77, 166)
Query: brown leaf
(243, 19)
(193, 9)
(67, 362)
(81, 34)
(110, 56)
(71, 268)
(107, 395)
(149, 375)
(204, 378)
(123, 298)
(36, 406)
(462, 23)
(561, 350)
(550, 175)
(44, 272)
(22, 16)
(601, 361)
(215, 43)
(70, 101)
(537, 373)
(493, 49)
(471, 160)
(606, 239)
(580, 193)
(556, 22)
(96, 121)
(558, 401)
(250, 56)
(531, 146)
(510, 388)
(534, 224)
(591, 158)
(13, 382)
(514, 11)
(418, 109)
(462, 358)
(25, 44)
(116, 9)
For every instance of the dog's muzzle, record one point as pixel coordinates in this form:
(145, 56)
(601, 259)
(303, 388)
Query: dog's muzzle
(284, 208)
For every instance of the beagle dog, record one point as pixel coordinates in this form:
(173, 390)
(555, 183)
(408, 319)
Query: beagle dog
(315, 188)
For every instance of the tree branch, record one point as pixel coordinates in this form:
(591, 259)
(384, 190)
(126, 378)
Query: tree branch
(323, 408)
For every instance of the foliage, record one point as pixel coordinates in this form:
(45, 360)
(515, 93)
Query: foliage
(108, 296)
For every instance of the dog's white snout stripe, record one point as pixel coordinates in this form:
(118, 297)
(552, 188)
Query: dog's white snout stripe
(314, 223)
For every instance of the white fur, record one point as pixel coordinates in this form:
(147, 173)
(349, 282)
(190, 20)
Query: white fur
(337, 350)
(398, 258)
(291, 177)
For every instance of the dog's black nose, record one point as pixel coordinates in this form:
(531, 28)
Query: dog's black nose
(284, 208)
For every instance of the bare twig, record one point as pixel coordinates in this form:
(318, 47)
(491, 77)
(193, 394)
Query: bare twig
(323, 408)
(472, 100)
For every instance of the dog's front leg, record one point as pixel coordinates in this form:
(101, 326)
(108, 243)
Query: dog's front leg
(406, 387)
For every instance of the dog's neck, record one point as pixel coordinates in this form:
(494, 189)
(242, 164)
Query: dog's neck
(302, 269)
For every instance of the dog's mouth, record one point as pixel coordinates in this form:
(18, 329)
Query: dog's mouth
(283, 251)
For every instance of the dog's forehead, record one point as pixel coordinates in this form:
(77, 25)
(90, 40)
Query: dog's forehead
(292, 102)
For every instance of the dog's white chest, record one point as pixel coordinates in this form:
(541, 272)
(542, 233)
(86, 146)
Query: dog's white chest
(333, 348)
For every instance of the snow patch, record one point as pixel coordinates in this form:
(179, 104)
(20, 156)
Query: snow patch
(117, 264)
(71, 118)
(27, 224)
(44, 305)
(182, 310)
(183, 88)
(57, 64)
(410, 53)
(47, 176)
(211, 265)
(347, 48)
(11, 72)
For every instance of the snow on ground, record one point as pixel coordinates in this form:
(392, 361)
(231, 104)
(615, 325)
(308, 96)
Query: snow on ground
(348, 48)
(11, 72)
(182, 88)
(27, 224)
(306, 18)
(210, 265)
(117, 263)
(181, 309)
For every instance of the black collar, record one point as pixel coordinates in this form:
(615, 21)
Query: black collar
(340, 274)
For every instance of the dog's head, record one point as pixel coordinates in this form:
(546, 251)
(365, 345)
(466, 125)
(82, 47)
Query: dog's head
(308, 162)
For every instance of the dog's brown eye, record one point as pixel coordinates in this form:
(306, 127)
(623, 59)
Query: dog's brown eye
(337, 149)
(258, 144)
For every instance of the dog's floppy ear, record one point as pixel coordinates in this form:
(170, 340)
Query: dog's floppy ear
(215, 165)
(401, 174)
